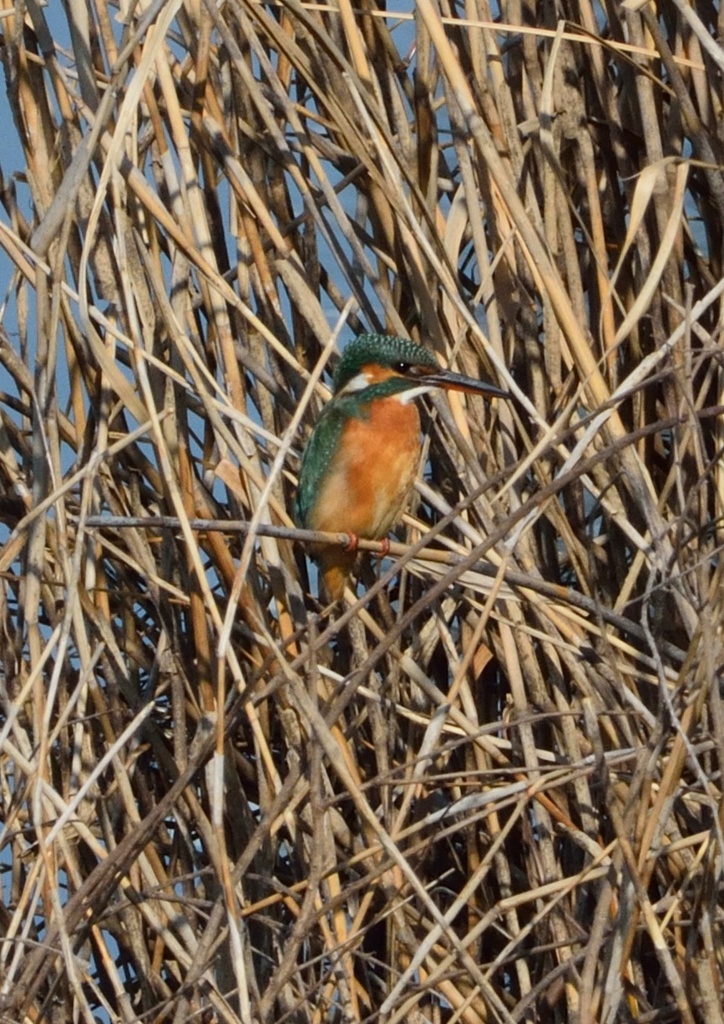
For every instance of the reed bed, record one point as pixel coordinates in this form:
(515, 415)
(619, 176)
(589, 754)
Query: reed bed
(486, 786)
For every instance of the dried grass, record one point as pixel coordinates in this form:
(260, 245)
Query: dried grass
(490, 789)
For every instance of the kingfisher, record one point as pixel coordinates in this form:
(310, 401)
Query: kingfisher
(360, 463)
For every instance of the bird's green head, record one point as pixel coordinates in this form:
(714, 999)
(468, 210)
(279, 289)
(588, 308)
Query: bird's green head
(381, 365)
(371, 358)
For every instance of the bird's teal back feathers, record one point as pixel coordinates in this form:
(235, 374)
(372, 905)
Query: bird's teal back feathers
(316, 460)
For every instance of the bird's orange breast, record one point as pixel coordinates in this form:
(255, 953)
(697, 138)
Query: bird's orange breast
(371, 476)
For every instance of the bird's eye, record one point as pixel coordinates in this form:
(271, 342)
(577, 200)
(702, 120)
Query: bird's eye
(402, 368)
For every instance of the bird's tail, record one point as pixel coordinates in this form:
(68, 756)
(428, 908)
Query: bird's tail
(336, 565)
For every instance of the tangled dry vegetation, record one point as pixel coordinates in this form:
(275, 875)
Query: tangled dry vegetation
(489, 789)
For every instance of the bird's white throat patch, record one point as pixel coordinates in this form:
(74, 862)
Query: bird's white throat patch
(405, 397)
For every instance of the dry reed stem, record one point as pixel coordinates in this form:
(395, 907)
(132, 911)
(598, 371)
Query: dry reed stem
(488, 786)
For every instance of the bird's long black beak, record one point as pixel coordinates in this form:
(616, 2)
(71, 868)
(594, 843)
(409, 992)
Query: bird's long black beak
(457, 382)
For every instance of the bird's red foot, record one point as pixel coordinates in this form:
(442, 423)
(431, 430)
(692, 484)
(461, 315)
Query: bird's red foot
(384, 548)
(352, 542)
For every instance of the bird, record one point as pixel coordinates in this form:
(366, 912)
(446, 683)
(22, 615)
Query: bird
(359, 465)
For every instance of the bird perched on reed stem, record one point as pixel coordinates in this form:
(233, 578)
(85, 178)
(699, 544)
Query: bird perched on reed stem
(360, 462)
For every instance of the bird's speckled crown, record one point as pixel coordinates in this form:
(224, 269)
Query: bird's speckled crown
(382, 349)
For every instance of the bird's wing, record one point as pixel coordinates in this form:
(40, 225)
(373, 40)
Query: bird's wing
(317, 460)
